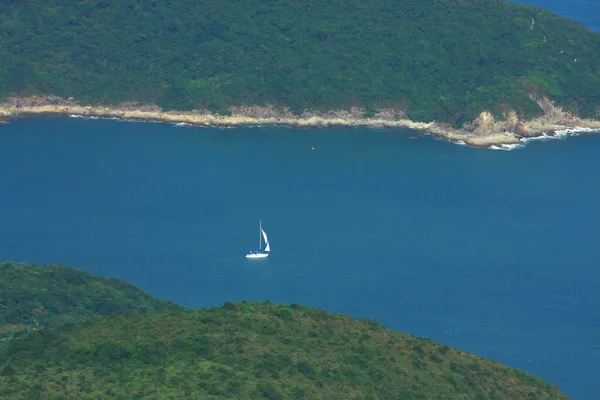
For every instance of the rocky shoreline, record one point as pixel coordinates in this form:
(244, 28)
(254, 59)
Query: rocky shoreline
(483, 132)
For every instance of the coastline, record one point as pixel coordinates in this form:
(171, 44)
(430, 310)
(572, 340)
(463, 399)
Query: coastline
(484, 132)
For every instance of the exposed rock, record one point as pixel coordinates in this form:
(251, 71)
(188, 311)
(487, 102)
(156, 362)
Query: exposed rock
(485, 123)
(389, 114)
(511, 120)
(521, 129)
(484, 131)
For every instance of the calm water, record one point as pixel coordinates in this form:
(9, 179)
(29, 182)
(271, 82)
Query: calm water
(586, 12)
(492, 252)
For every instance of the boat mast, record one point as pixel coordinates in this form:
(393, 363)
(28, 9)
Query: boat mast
(260, 234)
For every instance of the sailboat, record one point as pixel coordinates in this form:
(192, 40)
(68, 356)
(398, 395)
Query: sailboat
(261, 253)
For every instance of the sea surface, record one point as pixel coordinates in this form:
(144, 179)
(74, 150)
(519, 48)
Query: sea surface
(586, 12)
(493, 252)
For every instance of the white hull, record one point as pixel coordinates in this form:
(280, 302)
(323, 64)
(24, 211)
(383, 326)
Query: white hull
(257, 256)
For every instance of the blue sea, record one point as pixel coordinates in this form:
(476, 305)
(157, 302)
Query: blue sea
(586, 12)
(492, 252)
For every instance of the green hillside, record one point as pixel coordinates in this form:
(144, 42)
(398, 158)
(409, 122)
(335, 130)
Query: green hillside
(33, 296)
(250, 351)
(438, 59)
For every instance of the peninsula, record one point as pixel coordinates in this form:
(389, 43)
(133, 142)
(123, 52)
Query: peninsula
(482, 72)
(121, 343)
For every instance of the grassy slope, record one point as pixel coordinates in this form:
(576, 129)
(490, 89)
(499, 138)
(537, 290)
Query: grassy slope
(441, 59)
(247, 350)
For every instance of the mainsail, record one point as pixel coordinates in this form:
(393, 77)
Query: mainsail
(267, 244)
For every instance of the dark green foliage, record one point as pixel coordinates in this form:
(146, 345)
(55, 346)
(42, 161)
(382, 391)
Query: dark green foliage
(436, 59)
(220, 353)
(55, 295)
(151, 349)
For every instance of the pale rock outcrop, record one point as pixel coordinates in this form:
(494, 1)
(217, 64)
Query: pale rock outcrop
(484, 131)
(484, 123)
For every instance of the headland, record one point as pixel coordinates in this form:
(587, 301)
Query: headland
(483, 132)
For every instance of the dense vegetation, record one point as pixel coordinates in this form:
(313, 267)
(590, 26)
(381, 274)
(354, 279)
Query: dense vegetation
(436, 59)
(121, 343)
(33, 297)
(247, 350)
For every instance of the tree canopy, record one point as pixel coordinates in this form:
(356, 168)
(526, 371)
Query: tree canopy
(55, 295)
(438, 59)
(118, 342)
(250, 351)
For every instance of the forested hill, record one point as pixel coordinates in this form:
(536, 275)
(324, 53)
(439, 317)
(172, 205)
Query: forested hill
(33, 296)
(250, 351)
(438, 59)
(124, 344)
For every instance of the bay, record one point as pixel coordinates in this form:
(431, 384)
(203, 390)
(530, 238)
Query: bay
(489, 251)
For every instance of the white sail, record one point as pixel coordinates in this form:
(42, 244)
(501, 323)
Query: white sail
(260, 254)
(268, 245)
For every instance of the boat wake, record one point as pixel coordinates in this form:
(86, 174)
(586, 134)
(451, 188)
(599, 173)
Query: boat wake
(253, 263)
